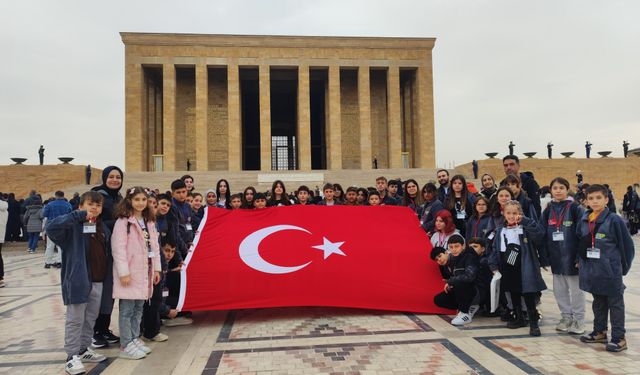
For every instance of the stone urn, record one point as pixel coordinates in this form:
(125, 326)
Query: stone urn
(18, 161)
(566, 154)
(604, 154)
(529, 155)
(491, 155)
(65, 160)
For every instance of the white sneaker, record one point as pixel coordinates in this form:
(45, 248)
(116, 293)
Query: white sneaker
(131, 351)
(74, 366)
(563, 325)
(142, 346)
(461, 319)
(576, 328)
(160, 337)
(91, 356)
(473, 309)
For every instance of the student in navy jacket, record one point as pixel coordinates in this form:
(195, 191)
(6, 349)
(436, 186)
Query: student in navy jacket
(560, 220)
(432, 205)
(519, 263)
(459, 202)
(606, 252)
(480, 221)
(86, 265)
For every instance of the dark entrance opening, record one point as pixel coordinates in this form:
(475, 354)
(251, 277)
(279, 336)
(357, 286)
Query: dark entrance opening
(284, 115)
(250, 109)
(317, 93)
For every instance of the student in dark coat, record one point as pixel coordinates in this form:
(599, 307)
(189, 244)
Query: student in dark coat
(560, 220)
(431, 206)
(460, 289)
(460, 203)
(519, 263)
(480, 221)
(606, 252)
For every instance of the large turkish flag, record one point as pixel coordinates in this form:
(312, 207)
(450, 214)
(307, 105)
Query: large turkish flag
(364, 257)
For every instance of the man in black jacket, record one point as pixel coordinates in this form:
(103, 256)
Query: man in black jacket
(511, 164)
(459, 289)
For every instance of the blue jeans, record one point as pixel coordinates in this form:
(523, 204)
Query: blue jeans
(129, 320)
(33, 240)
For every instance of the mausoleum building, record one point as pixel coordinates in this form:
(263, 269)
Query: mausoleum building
(239, 102)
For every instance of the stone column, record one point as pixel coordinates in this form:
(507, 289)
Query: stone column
(394, 117)
(136, 150)
(364, 104)
(202, 134)
(265, 117)
(304, 119)
(169, 117)
(334, 146)
(234, 126)
(424, 138)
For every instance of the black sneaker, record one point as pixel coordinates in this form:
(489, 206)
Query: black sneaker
(110, 337)
(58, 265)
(98, 341)
(47, 266)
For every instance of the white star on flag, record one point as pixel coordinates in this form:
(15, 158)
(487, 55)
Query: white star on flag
(330, 247)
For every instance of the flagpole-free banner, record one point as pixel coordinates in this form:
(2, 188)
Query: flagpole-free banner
(362, 257)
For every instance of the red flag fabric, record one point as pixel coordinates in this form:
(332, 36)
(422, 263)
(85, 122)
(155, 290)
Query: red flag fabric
(362, 257)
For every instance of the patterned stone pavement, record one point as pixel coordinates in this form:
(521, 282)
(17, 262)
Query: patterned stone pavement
(305, 340)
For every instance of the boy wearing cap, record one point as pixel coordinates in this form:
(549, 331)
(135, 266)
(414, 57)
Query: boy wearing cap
(459, 289)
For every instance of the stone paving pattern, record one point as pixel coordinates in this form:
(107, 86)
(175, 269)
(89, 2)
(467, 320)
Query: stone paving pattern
(305, 340)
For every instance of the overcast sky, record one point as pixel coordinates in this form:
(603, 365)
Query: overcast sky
(527, 71)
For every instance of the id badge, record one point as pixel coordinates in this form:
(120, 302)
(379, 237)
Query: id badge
(89, 228)
(165, 293)
(189, 227)
(150, 254)
(491, 235)
(558, 236)
(461, 215)
(593, 253)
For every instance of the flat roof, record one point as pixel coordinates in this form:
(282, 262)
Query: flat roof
(290, 41)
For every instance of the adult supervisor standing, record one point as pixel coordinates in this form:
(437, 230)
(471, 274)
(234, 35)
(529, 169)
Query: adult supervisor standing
(511, 165)
(112, 178)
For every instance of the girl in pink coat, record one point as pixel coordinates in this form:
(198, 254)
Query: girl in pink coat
(136, 267)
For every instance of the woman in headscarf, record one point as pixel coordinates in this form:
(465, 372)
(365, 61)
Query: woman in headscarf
(112, 178)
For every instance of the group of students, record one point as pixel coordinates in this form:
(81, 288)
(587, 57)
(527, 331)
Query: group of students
(588, 250)
(124, 248)
(132, 248)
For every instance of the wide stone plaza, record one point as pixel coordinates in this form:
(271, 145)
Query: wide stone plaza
(306, 340)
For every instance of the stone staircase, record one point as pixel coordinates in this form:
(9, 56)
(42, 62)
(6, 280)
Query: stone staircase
(262, 180)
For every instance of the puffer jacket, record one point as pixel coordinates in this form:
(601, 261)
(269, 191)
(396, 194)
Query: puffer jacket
(33, 218)
(130, 257)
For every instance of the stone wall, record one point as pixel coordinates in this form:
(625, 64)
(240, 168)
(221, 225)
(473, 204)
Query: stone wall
(20, 179)
(617, 172)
